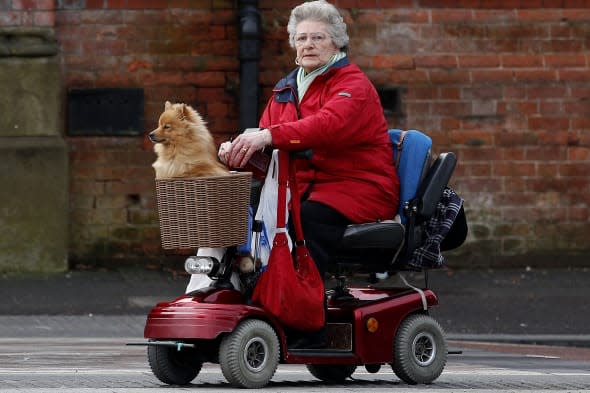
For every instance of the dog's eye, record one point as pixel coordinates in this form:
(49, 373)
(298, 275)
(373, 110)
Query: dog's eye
(166, 126)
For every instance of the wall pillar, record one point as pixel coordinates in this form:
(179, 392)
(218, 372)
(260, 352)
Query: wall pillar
(34, 169)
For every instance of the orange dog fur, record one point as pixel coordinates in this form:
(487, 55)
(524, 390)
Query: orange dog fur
(184, 145)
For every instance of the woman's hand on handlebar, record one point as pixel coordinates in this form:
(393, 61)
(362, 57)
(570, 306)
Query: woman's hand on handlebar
(237, 153)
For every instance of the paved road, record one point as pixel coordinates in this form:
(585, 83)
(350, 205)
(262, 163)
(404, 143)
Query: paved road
(473, 303)
(107, 365)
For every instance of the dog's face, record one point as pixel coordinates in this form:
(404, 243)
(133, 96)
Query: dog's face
(174, 124)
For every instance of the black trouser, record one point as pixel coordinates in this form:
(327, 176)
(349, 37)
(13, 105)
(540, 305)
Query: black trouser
(323, 228)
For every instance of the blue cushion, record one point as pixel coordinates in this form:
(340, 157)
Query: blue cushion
(412, 162)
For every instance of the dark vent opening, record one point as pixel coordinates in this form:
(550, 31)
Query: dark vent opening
(105, 111)
(390, 100)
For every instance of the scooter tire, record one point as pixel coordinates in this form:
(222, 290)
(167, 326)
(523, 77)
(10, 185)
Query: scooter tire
(330, 373)
(420, 350)
(249, 355)
(173, 367)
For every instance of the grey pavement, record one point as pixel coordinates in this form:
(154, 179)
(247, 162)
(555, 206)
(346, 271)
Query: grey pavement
(545, 306)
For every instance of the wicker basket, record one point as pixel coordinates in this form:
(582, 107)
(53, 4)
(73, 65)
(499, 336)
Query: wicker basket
(205, 211)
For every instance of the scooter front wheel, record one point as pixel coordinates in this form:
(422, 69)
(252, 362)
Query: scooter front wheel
(249, 355)
(420, 350)
(172, 366)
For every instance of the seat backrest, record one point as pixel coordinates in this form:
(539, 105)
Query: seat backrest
(411, 154)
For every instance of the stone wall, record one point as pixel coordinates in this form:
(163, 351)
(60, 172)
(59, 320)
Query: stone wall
(504, 84)
(34, 172)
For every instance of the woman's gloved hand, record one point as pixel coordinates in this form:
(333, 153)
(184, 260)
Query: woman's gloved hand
(237, 153)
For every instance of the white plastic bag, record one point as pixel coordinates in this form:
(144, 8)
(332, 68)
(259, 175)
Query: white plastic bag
(267, 212)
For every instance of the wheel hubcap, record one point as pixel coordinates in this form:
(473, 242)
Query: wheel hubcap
(424, 349)
(255, 354)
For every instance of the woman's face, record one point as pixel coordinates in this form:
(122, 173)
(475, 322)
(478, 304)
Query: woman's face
(313, 44)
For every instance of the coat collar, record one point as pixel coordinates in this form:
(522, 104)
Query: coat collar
(290, 81)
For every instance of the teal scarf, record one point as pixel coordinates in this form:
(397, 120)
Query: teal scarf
(304, 80)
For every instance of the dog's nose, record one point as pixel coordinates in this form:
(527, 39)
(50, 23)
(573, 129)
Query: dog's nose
(152, 137)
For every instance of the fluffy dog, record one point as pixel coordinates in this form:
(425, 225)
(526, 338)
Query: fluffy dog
(184, 145)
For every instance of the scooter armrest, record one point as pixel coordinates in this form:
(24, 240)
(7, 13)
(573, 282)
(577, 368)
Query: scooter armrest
(434, 183)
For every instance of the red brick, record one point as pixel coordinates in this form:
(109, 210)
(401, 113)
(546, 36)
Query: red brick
(552, 137)
(393, 61)
(367, 4)
(429, 61)
(117, 4)
(451, 15)
(513, 153)
(498, 76)
(566, 60)
(577, 14)
(546, 153)
(577, 107)
(549, 123)
(215, 109)
(546, 92)
(513, 169)
(580, 169)
(208, 79)
(535, 75)
(578, 154)
(555, 108)
(409, 77)
(544, 15)
(522, 60)
(581, 123)
(545, 169)
(514, 138)
(479, 186)
(478, 170)
(33, 5)
(478, 61)
(444, 76)
(479, 154)
(395, 3)
(143, 4)
(472, 137)
(573, 75)
(90, 4)
(449, 93)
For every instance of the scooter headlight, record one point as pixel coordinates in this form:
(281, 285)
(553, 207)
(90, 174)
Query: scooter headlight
(201, 265)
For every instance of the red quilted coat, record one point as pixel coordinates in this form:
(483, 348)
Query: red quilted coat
(341, 119)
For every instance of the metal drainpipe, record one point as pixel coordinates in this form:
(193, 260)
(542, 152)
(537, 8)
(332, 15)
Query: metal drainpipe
(249, 55)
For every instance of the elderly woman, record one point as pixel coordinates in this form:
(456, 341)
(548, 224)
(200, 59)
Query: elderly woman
(327, 104)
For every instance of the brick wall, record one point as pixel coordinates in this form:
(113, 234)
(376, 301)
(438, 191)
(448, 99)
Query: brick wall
(38, 13)
(504, 84)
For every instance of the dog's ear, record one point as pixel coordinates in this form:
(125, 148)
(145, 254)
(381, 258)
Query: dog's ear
(167, 105)
(184, 112)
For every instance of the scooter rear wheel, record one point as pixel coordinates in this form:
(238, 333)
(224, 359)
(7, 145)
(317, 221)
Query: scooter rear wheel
(331, 374)
(173, 367)
(420, 350)
(249, 355)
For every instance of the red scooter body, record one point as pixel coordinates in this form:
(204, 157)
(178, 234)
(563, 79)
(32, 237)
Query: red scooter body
(373, 315)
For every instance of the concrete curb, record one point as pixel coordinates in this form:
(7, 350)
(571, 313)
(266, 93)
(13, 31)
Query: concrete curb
(570, 340)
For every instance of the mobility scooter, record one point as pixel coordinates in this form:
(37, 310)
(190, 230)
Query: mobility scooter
(367, 326)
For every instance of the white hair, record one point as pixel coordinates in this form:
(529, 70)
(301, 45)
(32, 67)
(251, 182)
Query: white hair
(319, 11)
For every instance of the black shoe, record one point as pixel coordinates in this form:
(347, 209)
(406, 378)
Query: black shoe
(311, 340)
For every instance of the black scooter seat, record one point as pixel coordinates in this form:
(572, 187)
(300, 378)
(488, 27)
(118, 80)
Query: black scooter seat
(380, 235)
